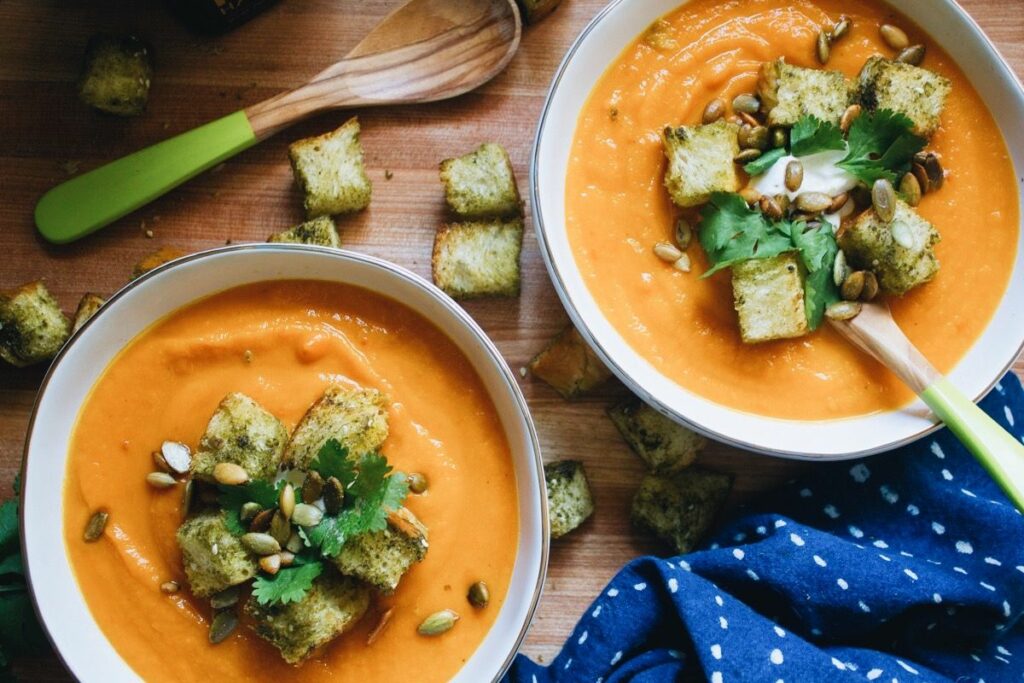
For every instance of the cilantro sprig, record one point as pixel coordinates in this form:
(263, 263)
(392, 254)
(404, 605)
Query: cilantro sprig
(232, 498)
(881, 145)
(288, 585)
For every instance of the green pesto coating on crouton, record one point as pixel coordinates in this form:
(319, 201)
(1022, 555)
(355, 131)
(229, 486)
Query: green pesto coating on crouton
(356, 417)
(569, 499)
(329, 170)
(663, 444)
(768, 295)
(791, 92)
(116, 75)
(481, 184)
(244, 433)
(213, 557)
(869, 244)
(332, 606)
(381, 558)
(32, 326)
(569, 365)
(917, 93)
(535, 10)
(320, 231)
(700, 161)
(474, 260)
(87, 307)
(680, 508)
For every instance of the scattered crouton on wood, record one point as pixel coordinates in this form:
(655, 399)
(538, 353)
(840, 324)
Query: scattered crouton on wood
(87, 308)
(481, 184)
(329, 170)
(569, 500)
(569, 365)
(32, 326)
(320, 231)
(116, 75)
(663, 444)
(680, 508)
(475, 260)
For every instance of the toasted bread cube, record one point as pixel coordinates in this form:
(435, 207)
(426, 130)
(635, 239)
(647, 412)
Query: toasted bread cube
(213, 557)
(680, 508)
(381, 558)
(116, 75)
(329, 169)
(700, 161)
(87, 308)
(569, 499)
(473, 260)
(320, 231)
(155, 260)
(569, 365)
(332, 606)
(535, 10)
(357, 418)
(791, 92)
(481, 184)
(917, 93)
(663, 444)
(869, 244)
(32, 326)
(768, 295)
(242, 432)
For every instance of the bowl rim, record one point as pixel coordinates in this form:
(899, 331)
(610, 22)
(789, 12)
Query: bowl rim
(626, 378)
(390, 269)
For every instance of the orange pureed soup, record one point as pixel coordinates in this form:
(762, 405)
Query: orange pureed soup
(617, 208)
(303, 335)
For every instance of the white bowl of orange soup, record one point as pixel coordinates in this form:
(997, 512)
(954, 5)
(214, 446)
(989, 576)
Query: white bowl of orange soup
(599, 203)
(154, 363)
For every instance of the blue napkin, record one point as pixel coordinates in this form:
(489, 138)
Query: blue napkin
(906, 566)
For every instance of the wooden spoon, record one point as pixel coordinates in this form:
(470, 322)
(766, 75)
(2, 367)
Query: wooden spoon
(1000, 453)
(426, 50)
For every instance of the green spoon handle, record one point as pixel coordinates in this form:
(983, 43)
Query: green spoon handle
(998, 451)
(92, 200)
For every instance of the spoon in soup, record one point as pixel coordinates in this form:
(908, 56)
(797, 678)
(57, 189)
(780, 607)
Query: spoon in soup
(999, 452)
(424, 51)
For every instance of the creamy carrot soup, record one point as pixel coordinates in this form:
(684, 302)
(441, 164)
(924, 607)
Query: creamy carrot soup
(302, 336)
(617, 207)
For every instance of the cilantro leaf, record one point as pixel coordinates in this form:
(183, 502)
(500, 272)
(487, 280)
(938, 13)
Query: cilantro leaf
(288, 585)
(8, 524)
(731, 232)
(232, 498)
(817, 247)
(760, 165)
(881, 146)
(811, 135)
(332, 461)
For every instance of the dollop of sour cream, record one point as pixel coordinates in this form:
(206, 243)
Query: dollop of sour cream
(821, 174)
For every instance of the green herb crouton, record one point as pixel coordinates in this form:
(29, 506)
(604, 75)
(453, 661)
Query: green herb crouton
(381, 558)
(116, 75)
(243, 433)
(473, 260)
(357, 418)
(214, 558)
(329, 169)
(320, 231)
(155, 260)
(900, 253)
(680, 508)
(569, 365)
(791, 92)
(569, 499)
(332, 606)
(700, 161)
(87, 308)
(32, 326)
(535, 10)
(481, 184)
(768, 295)
(664, 445)
(917, 93)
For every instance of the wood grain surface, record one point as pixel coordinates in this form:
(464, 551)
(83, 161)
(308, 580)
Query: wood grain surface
(46, 135)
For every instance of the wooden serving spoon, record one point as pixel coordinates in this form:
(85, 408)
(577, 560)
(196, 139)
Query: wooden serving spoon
(426, 50)
(999, 452)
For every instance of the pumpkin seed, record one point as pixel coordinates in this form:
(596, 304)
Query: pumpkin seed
(849, 116)
(479, 595)
(910, 189)
(852, 286)
(911, 55)
(294, 543)
(224, 622)
(747, 155)
(261, 544)
(794, 175)
(307, 515)
(746, 103)
(280, 528)
(783, 201)
(230, 474)
(684, 235)
(870, 290)
(779, 137)
(846, 209)
(225, 598)
(714, 110)
(753, 137)
(286, 501)
(843, 310)
(921, 175)
(838, 202)
(667, 252)
(682, 263)
(902, 235)
(262, 520)
(823, 47)
(312, 487)
(287, 558)
(381, 624)
(932, 168)
(271, 564)
(417, 483)
(750, 195)
(841, 28)
(770, 207)
(249, 510)
(97, 523)
(334, 496)
(160, 480)
(883, 199)
(186, 497)
(813, 202)
(161, 464)
(438, 623)
(169, 587)
(894, 37)
(177, 456)
(840, 269)
(748, 119)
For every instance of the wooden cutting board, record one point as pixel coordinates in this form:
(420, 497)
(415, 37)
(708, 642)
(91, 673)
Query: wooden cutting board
(46, 135)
